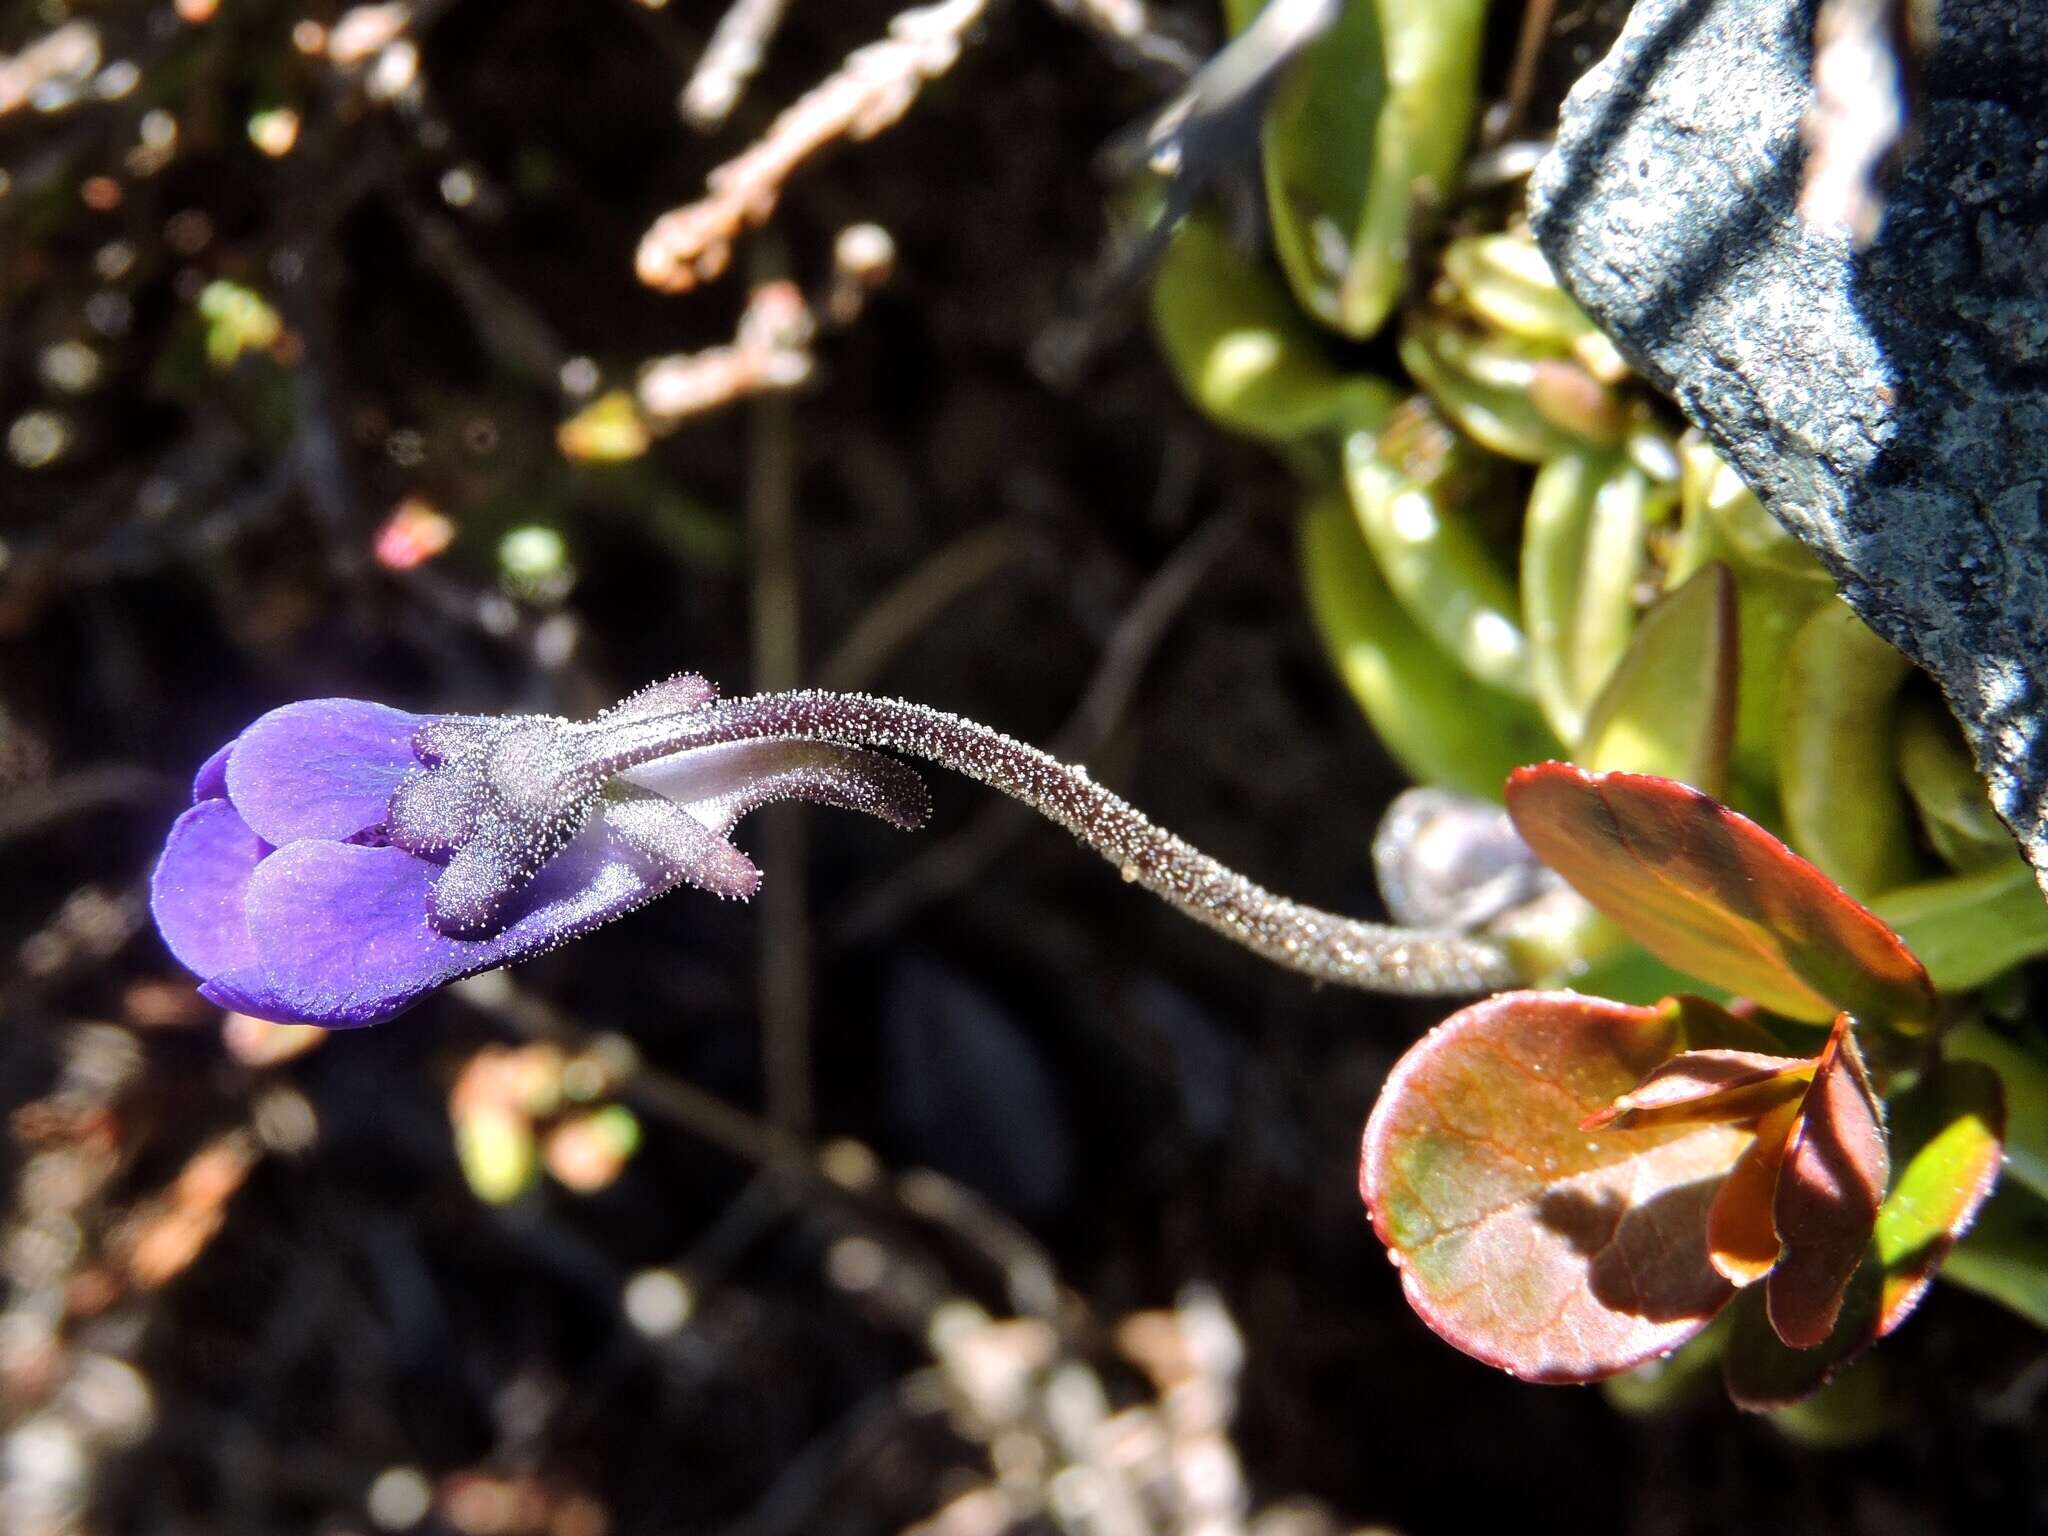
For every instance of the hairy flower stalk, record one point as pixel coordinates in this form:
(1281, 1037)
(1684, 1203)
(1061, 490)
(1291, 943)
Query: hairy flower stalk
(1324, 945)
(342, 860)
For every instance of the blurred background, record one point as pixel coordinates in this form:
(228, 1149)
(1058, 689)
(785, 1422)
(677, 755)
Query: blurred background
(952, 1187)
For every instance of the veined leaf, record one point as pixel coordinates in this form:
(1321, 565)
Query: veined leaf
(1553, 1253)
(1714, 894)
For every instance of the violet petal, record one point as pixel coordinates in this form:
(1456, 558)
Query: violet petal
(245, 991)
(197, 893)
(344, 935)
(211, 781)
(323, 768)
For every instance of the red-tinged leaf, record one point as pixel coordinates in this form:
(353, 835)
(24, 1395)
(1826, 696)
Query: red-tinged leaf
(1552, 1253)
(1742, 1236)
(1829, 1190)
(1949, 1130)
(1713, 893)
(1761, 1372)
(1706, 1087)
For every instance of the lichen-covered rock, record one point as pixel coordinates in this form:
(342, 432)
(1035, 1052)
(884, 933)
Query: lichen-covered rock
(1890, 406)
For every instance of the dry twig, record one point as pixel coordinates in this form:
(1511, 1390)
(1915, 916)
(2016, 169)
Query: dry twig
(731, 59)
(871, 92)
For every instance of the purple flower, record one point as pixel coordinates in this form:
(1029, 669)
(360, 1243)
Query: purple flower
(341, 859)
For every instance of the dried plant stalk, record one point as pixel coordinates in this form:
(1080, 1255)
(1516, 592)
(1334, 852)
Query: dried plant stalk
(871, 92)
(731, 59)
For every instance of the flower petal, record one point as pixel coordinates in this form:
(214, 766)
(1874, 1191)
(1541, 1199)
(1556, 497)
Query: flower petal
(344, 935)
(675, 695)
(683, 845)
(211, 781)
(245, 991)
(323, 768)
(196, 894)
(721, 784)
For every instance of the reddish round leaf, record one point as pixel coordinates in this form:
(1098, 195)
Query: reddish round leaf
(1554, 1253)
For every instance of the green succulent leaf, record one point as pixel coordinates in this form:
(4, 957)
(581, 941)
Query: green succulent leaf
(1412, 487)
(1317, 148)
(1669, 708)
(1948, 1133)
(1844, 808)
(1441, 726)
(1505, 280)
(1431, 53)
(1241, 349)
(1582, 554)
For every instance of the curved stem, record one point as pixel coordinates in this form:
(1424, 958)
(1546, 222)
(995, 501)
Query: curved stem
(1325, 945)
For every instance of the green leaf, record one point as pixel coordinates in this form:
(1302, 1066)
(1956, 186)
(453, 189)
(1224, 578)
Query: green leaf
(1553, 1253)
(2005, 1255)
(1442, 727)
(1844, 808)
(1240, 348)
(1414, 487)
(1714, 894)
(1582, 554)
(1669, 708)
(1505, 280)
(2025, 1076)
(1777, 585)
(1518, 400)
(1318, 152)
(1969, 928)
(1431, 50)
(1948, 1131)
(1942, 782)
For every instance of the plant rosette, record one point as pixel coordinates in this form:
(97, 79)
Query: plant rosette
(1572, 1186)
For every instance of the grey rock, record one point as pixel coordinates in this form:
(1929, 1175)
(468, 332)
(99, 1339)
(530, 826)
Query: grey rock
(1890, 406)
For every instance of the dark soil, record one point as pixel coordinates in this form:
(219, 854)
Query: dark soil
(1111, 1096)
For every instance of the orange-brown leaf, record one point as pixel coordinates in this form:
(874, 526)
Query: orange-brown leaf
(1555, 1254)
(1829, 1191)
(1742, 1237)
(1706, 1087)
(1711, 892)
